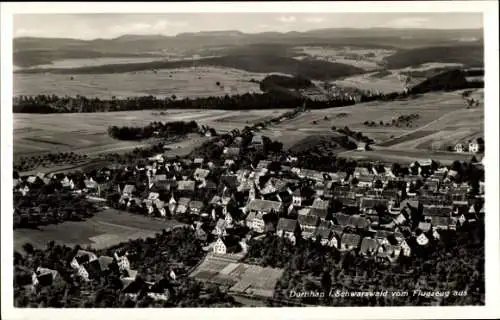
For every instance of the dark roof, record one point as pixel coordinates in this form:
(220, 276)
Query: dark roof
(308, 220)
(351, 239)
(264, 205)
(45, 279)
(440, 221)
(437, 211)
(93, 268)
(337, 230)
(323, 233)
(105, 261)
(288, 225)
(232, 243)
(368, 244)
(230, 181)
(320, 213)
(372, 202)
(424, 226)
(321, 204)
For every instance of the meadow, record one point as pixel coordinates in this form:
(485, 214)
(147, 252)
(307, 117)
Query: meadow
(106, 228)
(183, 82)
(87, 132)
(443, 121)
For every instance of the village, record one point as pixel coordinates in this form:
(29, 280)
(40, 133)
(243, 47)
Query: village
(376, 210)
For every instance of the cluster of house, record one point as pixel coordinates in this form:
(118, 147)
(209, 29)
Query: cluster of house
(327, 207)
(472, 147)
(88, 266)
(368, 211)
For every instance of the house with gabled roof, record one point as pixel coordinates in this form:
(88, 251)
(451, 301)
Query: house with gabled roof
(186, 186)
(43, 277)
(368, 246)
(308, 225)
(437, 211)
(349, 241)
(81, 257)
(255, 221)
(389, 252)
(196, 207)
(368, 204)
(440, 223)
(227, 244)
(424, 226)
(220, 228)
(201, 174)
(288, 228)
(325, 236)
(182, 205)
(361, 171)
(231, 152)
(264, 206)
(257, 142)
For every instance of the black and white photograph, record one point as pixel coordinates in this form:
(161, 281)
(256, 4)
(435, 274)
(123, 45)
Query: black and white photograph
(185, 158)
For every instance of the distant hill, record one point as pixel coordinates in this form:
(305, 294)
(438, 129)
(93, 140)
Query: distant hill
(468, 55)
(30, 58)
(27, 49)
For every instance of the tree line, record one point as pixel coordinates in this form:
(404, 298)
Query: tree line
(153, 129)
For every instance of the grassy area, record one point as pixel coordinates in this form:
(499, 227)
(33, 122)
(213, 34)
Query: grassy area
(87, 133)
(107, 228)
(183, 82)
(408, 156)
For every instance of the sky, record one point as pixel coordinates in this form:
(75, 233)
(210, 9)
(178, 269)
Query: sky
(92, 26)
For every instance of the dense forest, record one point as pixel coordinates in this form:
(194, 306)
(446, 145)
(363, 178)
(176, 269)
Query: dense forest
(154, 129)
(49, 204)
(469, 55)
(287, 82)
(447, 81)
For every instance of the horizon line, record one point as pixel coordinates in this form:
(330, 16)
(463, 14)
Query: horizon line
(250, 33)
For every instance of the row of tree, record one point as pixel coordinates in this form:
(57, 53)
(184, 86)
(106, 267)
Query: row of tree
(153, 129)
(43, 206)
(49, 159)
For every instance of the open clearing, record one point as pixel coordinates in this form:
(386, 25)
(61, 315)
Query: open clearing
(186, 82)
(106, 228)
(87, 132)
(408, 156)
(367, 59)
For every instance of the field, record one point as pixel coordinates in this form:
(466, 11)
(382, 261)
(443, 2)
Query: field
(443, 121)
(242, 278)
(367, 59)
(184, 82)
(106, 228)
(87, 132)
(388, 81)
(76, 63)
(407, 156)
